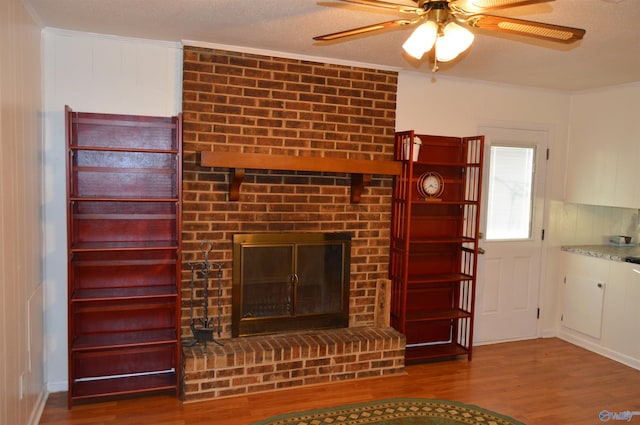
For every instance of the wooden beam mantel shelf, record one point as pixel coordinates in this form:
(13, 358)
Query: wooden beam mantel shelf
(359, 169)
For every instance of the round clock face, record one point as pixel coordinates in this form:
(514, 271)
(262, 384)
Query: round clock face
(430, 185)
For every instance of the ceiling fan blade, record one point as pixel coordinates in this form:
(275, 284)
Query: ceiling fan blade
(404, 8)
(540, 30)
(504, 4)
(362, 30)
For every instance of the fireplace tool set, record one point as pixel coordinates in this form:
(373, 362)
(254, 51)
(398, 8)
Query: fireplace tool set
(203, 332)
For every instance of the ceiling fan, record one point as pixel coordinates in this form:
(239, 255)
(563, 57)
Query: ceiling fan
(443, 22)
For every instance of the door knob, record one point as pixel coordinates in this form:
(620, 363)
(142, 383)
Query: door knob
(481, 251)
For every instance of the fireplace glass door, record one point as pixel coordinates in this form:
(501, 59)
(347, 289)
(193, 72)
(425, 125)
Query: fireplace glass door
(267, 282)
(290, 281)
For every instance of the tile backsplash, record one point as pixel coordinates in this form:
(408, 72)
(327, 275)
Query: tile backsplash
(580, 224)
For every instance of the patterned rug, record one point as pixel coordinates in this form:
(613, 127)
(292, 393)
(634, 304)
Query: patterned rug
(400, 411)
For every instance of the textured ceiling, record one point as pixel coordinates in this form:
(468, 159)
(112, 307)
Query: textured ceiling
(608, 55)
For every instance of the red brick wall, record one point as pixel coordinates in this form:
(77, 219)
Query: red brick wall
(242, 102)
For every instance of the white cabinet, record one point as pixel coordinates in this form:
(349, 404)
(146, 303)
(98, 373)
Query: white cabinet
(621, 327)
(618, 335)
(585, 284)
(603, 153)
(591, 168)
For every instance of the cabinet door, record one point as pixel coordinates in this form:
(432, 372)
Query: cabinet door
(603, 151)
(584, 288)
(591, 164)
(627, 193)
(621, 323)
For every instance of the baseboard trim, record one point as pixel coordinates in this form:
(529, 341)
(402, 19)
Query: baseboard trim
(500, 341)
(549, 333)
(603, 351)
(38, 408)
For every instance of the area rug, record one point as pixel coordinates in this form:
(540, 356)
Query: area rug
(400, 411)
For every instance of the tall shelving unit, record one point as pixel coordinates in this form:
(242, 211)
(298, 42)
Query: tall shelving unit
(434, 243)
(124, 192)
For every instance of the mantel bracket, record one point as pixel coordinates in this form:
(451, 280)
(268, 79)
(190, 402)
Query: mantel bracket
(358, 182)
(237, 177)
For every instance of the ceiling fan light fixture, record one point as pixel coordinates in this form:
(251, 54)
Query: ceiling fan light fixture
(453, 41)
(421, 40)
(438, 25)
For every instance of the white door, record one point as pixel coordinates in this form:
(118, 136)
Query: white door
(508, 281)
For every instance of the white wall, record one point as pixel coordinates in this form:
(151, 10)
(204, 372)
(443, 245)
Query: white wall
(459, 108)
(22, 385)
(91, 73)
(108, 74)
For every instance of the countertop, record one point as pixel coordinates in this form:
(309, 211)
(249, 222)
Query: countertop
(606, 252)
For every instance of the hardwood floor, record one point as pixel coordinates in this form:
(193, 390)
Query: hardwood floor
(539, 382)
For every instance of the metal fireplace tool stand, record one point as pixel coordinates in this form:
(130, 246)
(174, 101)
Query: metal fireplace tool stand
(203, 332)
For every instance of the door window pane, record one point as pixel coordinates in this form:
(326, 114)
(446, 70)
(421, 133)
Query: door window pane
(510, 190)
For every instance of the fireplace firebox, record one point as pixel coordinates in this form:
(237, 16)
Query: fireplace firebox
(290, 282)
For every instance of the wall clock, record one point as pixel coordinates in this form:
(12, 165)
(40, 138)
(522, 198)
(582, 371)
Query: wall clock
(430, 185)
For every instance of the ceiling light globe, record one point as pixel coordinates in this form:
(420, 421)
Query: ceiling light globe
(454, 40)
(421, 40)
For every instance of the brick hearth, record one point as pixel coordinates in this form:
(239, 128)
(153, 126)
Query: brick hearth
(267, 363)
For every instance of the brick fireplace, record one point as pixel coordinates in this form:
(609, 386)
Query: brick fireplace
(240, 103)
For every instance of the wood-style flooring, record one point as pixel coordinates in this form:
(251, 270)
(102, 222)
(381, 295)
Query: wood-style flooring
(539, 382)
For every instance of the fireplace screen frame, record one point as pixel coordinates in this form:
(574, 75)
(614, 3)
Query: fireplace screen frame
(245, 324)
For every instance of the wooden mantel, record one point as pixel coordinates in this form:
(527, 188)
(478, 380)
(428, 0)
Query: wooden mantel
(359, 169)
